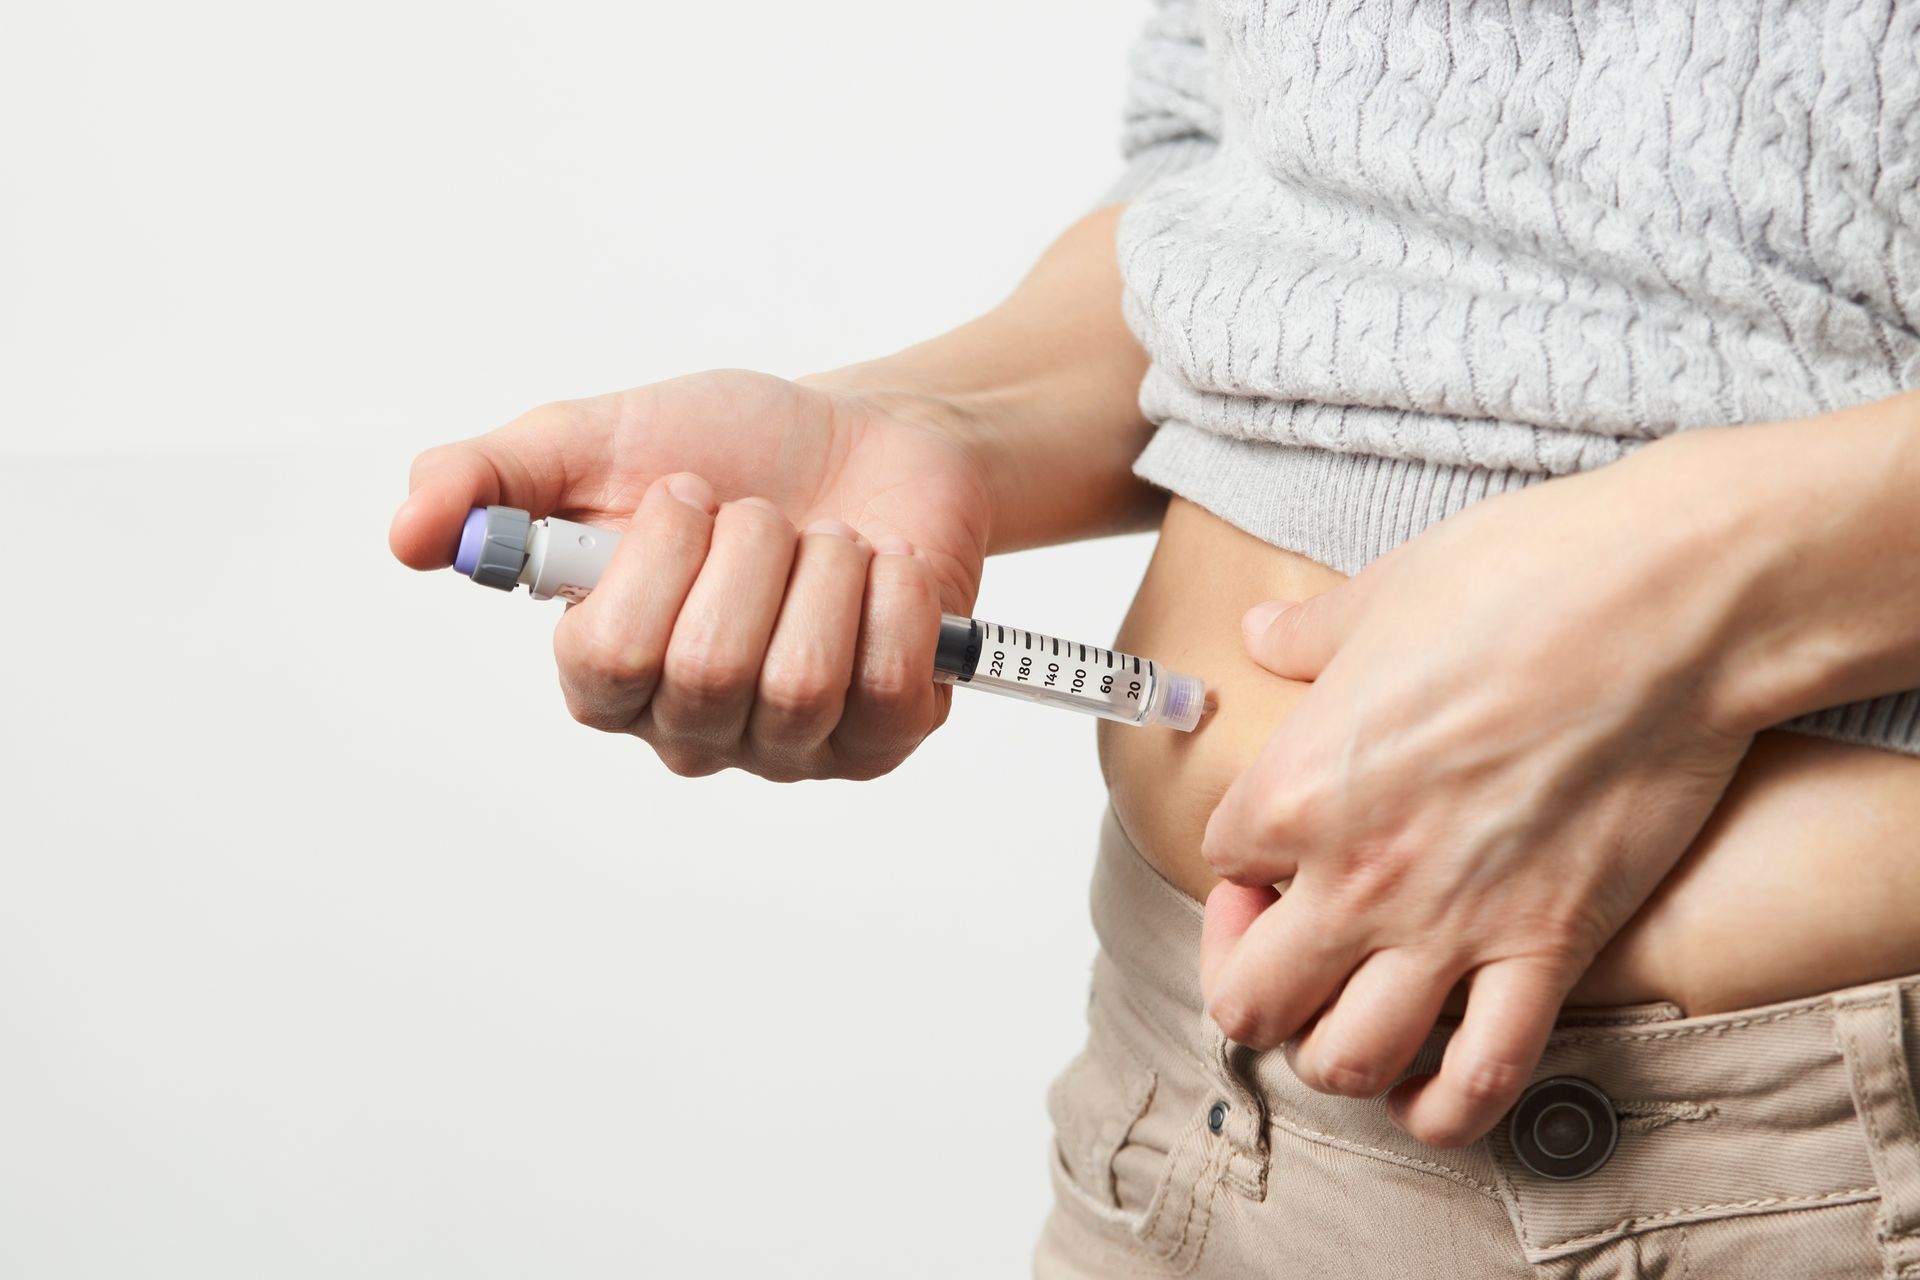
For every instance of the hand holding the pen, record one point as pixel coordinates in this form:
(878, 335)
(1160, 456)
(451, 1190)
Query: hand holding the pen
(789, 550)
(792, 545)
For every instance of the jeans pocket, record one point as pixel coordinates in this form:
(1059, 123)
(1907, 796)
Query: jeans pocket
(1095, 1105)
(1130, 1139)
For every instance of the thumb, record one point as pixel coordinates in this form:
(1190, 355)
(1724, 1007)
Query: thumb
(1297, 638)
(529, 463)
(447, 483)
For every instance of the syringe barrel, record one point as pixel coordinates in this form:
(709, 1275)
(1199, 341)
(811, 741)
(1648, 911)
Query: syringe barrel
(503, 547)
(1016, 663)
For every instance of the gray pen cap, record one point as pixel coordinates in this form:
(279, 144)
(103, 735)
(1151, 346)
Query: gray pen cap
(493, 546)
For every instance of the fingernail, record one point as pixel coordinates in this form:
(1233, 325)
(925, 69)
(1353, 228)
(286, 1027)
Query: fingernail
(762, 503)
(833, 528)
(693, 491)
(1261, 616)
(892, 546)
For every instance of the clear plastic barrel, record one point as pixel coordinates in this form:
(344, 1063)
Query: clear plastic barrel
(1078, 677)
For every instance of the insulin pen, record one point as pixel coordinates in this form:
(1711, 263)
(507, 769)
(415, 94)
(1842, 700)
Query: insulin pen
(503, 547)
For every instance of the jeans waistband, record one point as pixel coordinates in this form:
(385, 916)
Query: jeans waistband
(1790, 1106)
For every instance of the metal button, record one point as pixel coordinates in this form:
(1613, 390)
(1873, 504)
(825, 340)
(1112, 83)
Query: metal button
(1563, 1128)
(1217, 1116)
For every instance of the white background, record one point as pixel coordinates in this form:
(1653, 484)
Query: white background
(329, 945)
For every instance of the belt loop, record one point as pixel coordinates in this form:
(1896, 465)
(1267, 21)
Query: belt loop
(1245, 1124)
(1869, 1027)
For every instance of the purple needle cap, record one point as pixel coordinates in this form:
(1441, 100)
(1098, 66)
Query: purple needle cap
(472, 534)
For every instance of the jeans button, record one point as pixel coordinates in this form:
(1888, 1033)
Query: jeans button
(1217, 1116)
(1563, 1128)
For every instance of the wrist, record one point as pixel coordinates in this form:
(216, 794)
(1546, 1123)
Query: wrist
(1053, 441)
(889, 386)
(966, 417)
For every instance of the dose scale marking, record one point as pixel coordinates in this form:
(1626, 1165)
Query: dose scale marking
(1017, 663)
(504, 547)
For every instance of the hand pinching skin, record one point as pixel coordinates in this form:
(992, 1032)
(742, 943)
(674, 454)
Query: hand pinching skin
(1496, 763)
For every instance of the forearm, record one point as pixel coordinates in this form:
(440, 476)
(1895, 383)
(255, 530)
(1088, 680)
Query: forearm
(1044, 388)
(1817, 531)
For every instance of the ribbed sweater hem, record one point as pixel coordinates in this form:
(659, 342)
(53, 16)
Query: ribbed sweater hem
(1347, 509)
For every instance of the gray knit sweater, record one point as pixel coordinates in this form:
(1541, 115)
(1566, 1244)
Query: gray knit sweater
(1390, 257)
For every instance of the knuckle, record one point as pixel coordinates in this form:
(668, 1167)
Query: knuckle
(425, 459)
(594, 715)
(876, 762)
(890, 689)
(618, 662)
(1374, 873)
(686, 761)
(1220, 846)
(1286, 813)
(1250, 833)
(800, 689)
(1231, 843)
(1238, 1019)
(781, 769)
(704, 673)
(1576, 932)
(1350, 1076)
(1491, 1080)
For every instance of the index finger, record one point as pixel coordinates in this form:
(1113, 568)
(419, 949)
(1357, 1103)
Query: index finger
(1231, 910)
(532, 462)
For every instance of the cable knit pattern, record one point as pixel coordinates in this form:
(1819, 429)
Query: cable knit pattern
(1390, 257)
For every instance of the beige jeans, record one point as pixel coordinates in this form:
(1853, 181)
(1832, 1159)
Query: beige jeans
(1775, 1142)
